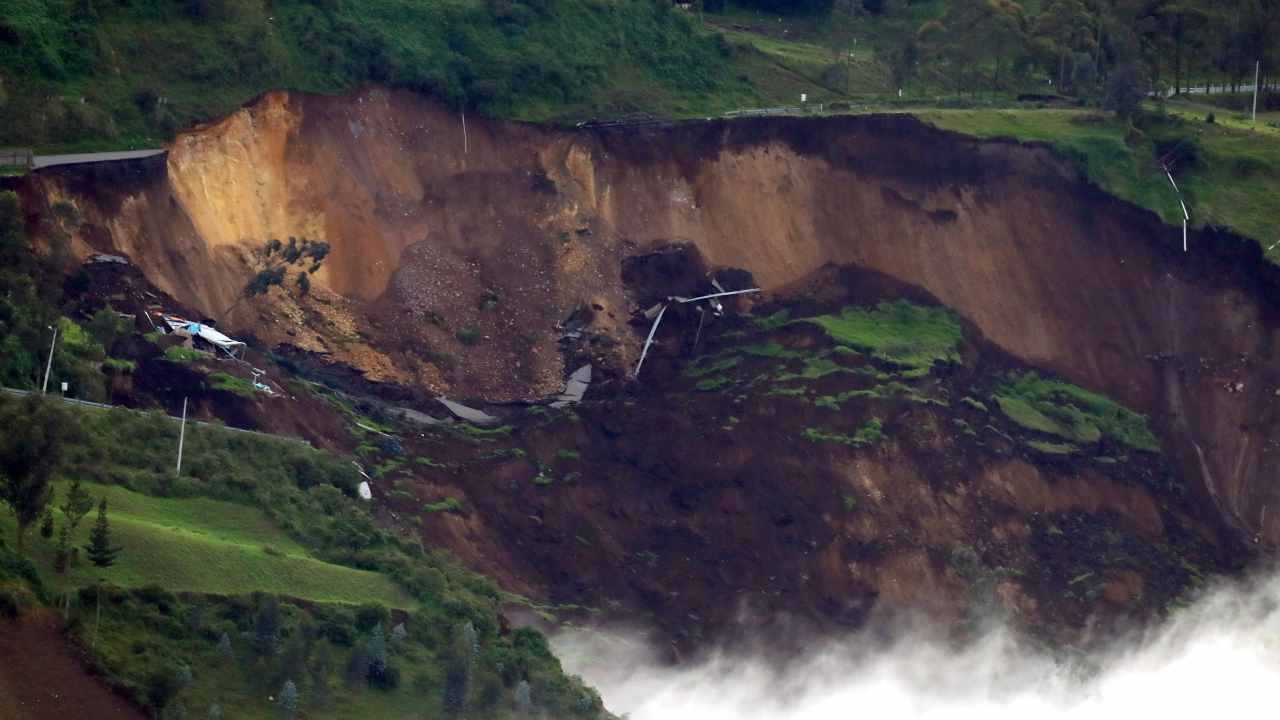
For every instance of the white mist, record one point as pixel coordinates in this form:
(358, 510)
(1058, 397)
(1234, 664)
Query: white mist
(1216, 660)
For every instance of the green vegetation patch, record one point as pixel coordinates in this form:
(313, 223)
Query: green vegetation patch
(898, 332)
(484, 433)
(180, 655)
(182, 355)
(709, 365)
(713, 384)
(1071, 412)
(119, 365)
(870, 433)
(770, 350)
(1049, 448)
(815, 368)
(208, 546)
(883, 391)
(230, 383)
(774, 321)
(449, 504)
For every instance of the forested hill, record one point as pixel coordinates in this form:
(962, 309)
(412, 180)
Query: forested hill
(78, 70)
(132, 72)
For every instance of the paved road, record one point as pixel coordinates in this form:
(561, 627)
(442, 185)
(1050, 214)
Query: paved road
(43, 161)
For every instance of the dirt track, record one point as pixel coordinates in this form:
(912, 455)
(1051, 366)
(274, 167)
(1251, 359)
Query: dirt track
(426, 233)
(42, 678)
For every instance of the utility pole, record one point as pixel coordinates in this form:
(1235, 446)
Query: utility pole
(182, 433)
(1257, 76)
(44, 388)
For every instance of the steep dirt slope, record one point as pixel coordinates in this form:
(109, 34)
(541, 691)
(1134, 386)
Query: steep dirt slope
(456, 254)
(43, 677)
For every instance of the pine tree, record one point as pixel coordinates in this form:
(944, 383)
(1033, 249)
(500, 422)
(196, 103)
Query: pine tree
(224, 647)
(377, 648)
(102, 555)
(63, 555)
(289, 699)
(321, 664)
(99, 549)
(46, 524)
(78, 503)
(266, 627)
(458, 674)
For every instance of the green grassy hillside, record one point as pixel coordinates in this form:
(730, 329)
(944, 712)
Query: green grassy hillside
(209, 546)
(264, 542)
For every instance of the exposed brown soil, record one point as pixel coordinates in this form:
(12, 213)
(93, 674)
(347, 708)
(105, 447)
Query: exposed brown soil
(499, 238)
(43, 677)
(703, 513)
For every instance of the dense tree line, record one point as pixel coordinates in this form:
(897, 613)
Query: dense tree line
(1074, 47)
(1078, 47)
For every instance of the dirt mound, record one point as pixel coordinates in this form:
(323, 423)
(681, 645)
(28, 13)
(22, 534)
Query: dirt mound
(43, 677)
(455, 260)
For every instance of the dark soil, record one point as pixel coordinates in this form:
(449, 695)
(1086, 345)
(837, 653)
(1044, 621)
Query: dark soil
(43, 677)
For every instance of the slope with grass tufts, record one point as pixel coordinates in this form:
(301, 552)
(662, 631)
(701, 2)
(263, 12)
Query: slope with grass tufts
(209, 546)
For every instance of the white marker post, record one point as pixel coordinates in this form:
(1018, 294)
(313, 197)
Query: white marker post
(182, 434)
(1186, 217)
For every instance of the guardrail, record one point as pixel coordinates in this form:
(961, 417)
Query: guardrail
(17, 157)
(791, 110)
(87, 403)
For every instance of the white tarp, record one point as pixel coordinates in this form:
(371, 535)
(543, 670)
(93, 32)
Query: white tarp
(574, 388)
(471, 415)
(204, 332)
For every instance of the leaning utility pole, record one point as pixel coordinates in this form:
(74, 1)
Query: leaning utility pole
(44, 388)
(1257, 76)
(182, 433)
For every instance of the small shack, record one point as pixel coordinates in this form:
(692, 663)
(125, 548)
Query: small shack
(204, 337)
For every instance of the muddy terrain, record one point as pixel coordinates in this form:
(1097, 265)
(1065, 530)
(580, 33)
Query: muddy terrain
(461, 260)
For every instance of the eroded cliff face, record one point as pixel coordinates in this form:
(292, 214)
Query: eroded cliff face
(496, 232)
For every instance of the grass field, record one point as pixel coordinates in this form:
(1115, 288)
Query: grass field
(207, 546)
(1233, 180)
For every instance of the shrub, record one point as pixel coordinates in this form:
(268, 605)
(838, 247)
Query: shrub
(182, 355)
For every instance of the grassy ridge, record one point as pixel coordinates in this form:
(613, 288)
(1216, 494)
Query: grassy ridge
(1229, 175)
(209, 546)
